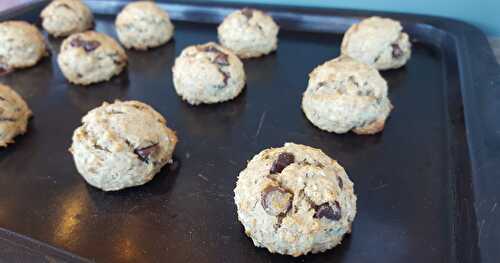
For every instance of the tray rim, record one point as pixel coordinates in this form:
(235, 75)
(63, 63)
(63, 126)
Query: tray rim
(465, 40)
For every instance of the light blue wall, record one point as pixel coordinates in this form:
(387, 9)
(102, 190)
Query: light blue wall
(485, 14)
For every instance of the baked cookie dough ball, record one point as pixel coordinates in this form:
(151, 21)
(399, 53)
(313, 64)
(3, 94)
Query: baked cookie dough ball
(294, 200)
(14, 115)
(121, 145)
(249, 33)
(142, 25)
(21, 45)
(91, 57)
(379, 42)
(66, 17)
(208, 73)
(344, 94)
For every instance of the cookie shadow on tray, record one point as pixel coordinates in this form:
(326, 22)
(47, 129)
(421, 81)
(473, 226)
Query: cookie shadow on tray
(86, 98)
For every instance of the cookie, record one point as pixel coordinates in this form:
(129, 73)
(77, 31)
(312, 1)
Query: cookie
(379, 42)
(142, 25)
(91, 57)
(208, 73)
(295, 200)
(21, 45)
(121, 145)
(65, 17)
(14, 115)
(249, 33)
(344, 94)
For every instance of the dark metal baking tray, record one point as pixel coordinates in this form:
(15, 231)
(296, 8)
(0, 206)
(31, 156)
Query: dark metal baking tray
(426, 186)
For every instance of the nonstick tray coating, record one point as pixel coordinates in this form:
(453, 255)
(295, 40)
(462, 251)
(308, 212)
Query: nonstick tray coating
(413, 181)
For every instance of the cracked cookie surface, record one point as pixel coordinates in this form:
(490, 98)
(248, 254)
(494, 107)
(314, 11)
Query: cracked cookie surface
(379, 42)
(91, 57)
(295, 200)
(208, 73)
(21, 45)
(344, 94)
(249, 33)
(121, 145)
(14, 115)
(65, 17)
(142, 25)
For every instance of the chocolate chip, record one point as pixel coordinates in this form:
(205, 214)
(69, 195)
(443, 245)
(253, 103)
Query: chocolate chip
(225, 76)
(396, 51)
(341, 183)
(144, 153)
(247, 12)
(88, 46)
(211, 49)
(2, 98)
(284, 159)
(329, 211)
(221, 59)
(276, 201)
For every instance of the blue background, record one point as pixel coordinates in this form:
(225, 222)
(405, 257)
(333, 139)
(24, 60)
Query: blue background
(484, 14)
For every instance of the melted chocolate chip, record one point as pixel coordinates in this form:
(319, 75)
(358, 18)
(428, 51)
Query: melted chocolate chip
(88, 46)
(396, 51)
(144, 153)
(247, 12)
(341, 183)
(276, 201)
(328, 211)
(284, 159)
(211, 49)
(221, 59)
(2, 98)
(225, 77)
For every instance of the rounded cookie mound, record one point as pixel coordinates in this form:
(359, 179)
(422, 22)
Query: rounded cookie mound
(208, 73)
(344, 94)
(379, 42)
(14, 115)
(294, 200)
(21, 45)
(142, 25)
(121, 145)
(249, 33)
(91, 57)
(65, 17)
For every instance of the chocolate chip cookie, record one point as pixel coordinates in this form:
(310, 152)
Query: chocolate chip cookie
(142, 25)
(121, 145)
(14, 115)
(295, 200)
(379, 42)
(208, 73)
(91, 57)
(249, 33)
(65, 17)
(344, 94)
(21, 45)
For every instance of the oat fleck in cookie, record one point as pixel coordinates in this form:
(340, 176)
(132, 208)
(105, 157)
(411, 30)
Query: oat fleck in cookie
(295, 200)
(344, 94)
(208, 73)
(379, 42)
(21, 45)
(14, 115)
(142, 25)
(91, 57)
(65, 17)
(121, 145)
(249, 33)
